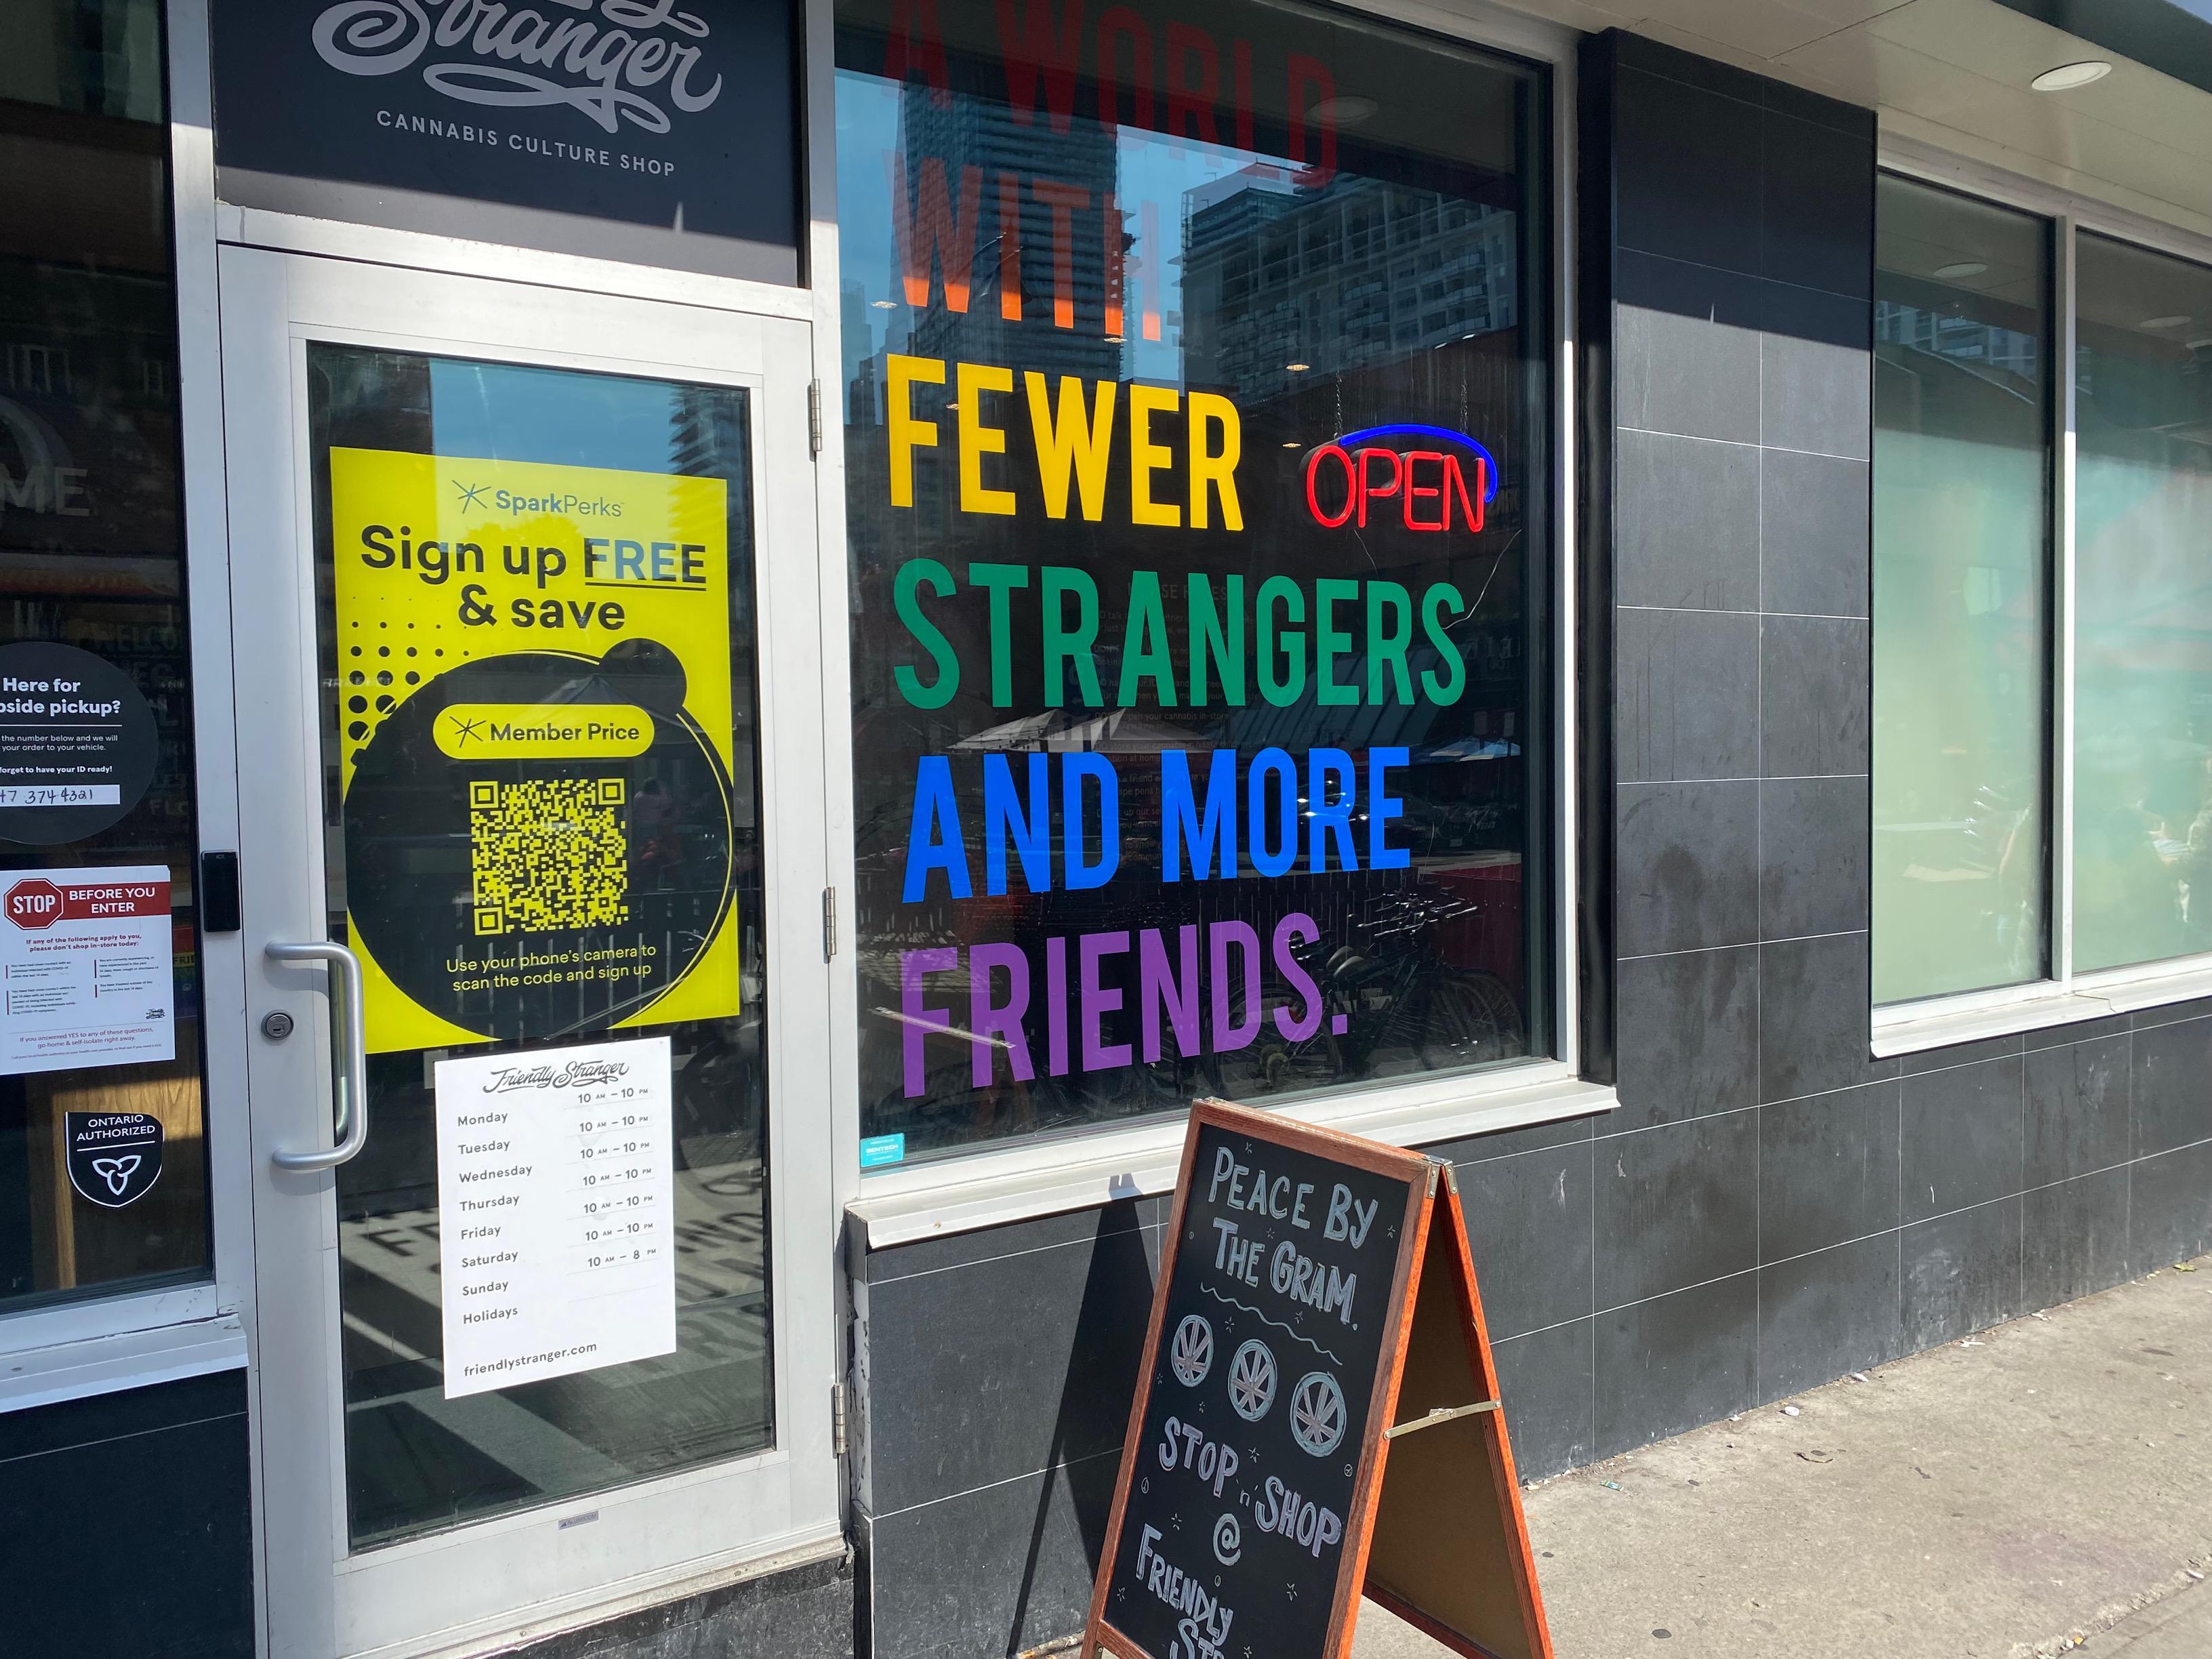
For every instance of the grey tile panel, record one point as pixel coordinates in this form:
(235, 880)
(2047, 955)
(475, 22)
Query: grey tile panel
(1816, 200)
(1689, 170)
(1812, 857)
(1961, 1140)
(1687, 865)
(1528, 1234)
(1687, 685)
(1960, 1273)
(2170, 1207)
(2078, 1116)
(1814, 1021)
(2073, 1237)
(1816, 390)
(1688, 1037)
(998, 1369)
(2171, 1102)
(1675, 1205)
(998, 1570)
(1675, 1361)
(1546, 1382)
(1813, 697)
(1823, 1315)
(1813, 534)
(1687, 347)
(1827, 1169)
(1686, 523)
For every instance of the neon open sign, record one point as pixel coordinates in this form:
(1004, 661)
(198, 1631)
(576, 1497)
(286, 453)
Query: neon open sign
(1346, 477)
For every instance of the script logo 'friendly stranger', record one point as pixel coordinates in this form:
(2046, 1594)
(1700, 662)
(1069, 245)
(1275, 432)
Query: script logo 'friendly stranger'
(599, 72)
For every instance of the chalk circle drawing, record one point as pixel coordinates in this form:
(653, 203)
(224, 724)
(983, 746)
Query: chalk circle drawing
(1228, 1542)
(1252, 1380)
(1194, 1350)
(1317, 1414)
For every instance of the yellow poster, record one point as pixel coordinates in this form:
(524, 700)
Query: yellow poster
(534, 715)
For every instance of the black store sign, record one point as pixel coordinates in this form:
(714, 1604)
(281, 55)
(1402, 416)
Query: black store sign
(545, 126)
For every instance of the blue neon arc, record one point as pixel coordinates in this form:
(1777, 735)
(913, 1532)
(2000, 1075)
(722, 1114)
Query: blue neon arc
(1415, 428)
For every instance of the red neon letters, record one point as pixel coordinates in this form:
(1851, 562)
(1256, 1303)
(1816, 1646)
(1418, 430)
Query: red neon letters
(1371, 474)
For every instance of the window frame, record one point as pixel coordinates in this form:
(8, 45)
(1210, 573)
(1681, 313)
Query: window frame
(1052, 1173)
(2063, 996)
(135, 1336)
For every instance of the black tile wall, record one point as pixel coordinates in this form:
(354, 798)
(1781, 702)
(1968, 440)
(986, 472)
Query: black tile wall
(132, 1513)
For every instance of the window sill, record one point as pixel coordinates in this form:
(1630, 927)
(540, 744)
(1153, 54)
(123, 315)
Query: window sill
(1914, 1028)
(122, 1360)
(1021, 1183)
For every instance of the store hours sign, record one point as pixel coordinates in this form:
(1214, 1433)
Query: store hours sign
(676, 118)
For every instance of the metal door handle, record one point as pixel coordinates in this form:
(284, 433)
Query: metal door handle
(351, 1126)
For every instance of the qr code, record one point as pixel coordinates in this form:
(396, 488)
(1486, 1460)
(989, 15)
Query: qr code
(548, 854)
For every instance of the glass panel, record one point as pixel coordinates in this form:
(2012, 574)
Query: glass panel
(537, 643)
(1961, 594)
(1194, 394)
(103, 1177)
(2142, 687)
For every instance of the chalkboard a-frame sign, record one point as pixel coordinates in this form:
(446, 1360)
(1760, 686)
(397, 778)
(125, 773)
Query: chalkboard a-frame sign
(1316, 1416)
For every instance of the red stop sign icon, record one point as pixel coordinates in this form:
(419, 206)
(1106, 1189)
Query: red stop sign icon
(35, 903)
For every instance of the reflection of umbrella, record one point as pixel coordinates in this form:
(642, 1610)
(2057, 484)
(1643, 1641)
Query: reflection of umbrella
(1470, 749)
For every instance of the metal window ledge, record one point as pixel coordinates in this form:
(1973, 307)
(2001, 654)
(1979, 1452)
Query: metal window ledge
(991, 1189)
(122, 1360)
(1914, 1028)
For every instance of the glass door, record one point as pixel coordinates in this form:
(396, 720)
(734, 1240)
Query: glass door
(531, 728)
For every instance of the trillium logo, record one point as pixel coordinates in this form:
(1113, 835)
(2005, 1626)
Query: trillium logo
(610, 69)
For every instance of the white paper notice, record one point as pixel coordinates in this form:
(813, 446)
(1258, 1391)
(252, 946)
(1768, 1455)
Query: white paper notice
(86, 977)
(556, 1185)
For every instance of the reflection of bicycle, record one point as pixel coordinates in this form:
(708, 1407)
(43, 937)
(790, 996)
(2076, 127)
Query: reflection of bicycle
(1403, 1009)
(720, 1089)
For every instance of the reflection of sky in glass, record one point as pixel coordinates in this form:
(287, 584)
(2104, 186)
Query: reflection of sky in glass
(1149, 167)
(506, 413)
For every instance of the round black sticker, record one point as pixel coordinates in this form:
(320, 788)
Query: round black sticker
(77, 743)
(521, 896)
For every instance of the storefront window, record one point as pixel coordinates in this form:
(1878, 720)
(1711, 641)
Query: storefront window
(103, 1168)
(1961, 594)
(1194, 394)
(2142, 710)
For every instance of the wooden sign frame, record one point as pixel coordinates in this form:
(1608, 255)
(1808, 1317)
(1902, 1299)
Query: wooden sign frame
(1445, 1544)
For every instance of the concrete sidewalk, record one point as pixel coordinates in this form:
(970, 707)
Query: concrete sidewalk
(2042, 1486)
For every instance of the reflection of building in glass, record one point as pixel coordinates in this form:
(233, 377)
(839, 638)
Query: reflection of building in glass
(1352, 274)
(1062, 182)
(1962, 339)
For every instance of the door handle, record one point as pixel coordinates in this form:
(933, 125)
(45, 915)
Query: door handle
(351, 1126)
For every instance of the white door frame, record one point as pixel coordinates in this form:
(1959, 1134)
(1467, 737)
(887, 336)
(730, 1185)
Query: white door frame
(485, 1578)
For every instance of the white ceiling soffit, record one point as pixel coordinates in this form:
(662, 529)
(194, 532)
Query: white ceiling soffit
(1953, 74)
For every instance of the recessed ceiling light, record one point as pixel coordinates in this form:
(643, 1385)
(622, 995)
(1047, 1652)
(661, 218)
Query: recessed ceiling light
(1964, 268)
(884, 305)
(1345, 111)
(2067, 76)
(1291, 444)
(1297, 368)
(2166, 322)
